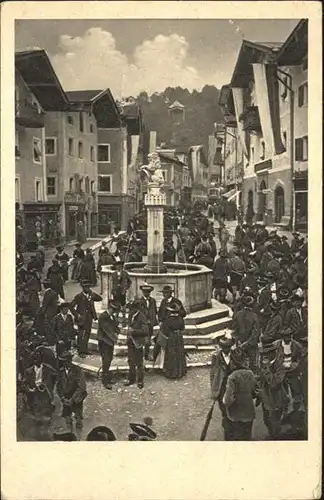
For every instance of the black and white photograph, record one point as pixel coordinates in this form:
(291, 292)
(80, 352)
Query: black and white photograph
(161, 229)
(162, 215)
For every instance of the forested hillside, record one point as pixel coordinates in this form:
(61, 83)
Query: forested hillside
(201, 112)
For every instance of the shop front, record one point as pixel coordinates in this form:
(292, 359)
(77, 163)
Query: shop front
(75, 222)
(40, 221)
(114, 211)
(301, 203)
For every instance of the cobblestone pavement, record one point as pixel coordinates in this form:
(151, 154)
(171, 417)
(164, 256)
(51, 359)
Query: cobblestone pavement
(178, 409)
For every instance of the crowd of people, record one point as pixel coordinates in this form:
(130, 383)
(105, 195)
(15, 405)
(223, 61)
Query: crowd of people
(261, 276)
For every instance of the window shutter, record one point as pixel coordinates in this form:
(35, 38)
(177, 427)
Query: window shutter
(300, 95)
(299, 149)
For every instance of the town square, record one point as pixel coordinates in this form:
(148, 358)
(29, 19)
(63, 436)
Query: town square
(161, 233)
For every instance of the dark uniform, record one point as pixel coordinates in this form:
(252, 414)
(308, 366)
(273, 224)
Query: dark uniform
(246, 330)
(83, 309)
(63, 329)
(107, 335)
(149, 308)
(136, 339)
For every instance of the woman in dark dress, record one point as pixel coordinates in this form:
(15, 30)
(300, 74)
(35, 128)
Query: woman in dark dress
(54, 274)
(88, 269)
(63, 259)
(174, 358)
(78, 256)
(105, 257)
(32, 288)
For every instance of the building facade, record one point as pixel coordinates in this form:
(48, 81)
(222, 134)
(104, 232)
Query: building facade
(173, 173)
(270, 125)
(37, 92)
(199, 172)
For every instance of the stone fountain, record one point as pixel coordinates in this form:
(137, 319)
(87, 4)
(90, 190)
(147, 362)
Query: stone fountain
(192, 283)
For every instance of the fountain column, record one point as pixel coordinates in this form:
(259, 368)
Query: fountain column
(155, 200)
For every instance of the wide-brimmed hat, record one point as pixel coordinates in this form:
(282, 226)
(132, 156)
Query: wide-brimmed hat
(283, 293)
(65, 356)
(269, 274)
(167, 288)
(101, 433)
(173, 307)
(248, 300)
(146, 288)
(85, 283)
(64, 304)
(78, 245)
(60, 247)
(143, 431)
(226, 340)
(274, 306)
(222, 253)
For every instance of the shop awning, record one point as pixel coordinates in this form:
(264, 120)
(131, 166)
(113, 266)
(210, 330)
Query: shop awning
(229, 194)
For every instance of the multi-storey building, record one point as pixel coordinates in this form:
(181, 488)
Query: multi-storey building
(270, 126)
(37, 93)
(173, 173)
(292, 61)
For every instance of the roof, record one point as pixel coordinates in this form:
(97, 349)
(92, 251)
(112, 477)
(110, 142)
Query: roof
(176, 104)
(130, 110)
(38, 73)
(83, 95)
(295, 48)
(250, 52)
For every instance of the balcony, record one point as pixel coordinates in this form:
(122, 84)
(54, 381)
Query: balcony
(28, 115)
(263, 165)
(251, 119)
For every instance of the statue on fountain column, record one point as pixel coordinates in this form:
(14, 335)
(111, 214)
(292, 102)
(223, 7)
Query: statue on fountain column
(153, 171)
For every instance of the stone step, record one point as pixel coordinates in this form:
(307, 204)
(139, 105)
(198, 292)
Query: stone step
(92, 364)
(190, 330)
(121, 349)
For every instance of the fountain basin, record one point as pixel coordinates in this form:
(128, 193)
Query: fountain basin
(192, 283)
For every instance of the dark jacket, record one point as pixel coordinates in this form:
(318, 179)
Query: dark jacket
(273, 327)
(137, 328)
(163, 313)
(63, 329)
(296, 323)
(251, 282)
(50, 303)
(219, 372)
(121, 283)
(172, 323)
(83, 308)
(246, 329)
(221, 269)
(54, 274)
(72, 385)
(108, 329)
(150, 312)
(238, 398)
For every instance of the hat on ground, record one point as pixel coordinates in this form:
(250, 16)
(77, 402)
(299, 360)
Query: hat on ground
(167, 288)
(101, 433)
(146, 288)
(65, 356)
(85, 283)
(64, 304)
(64, 436)
(143, 431)
(247, 300)
(226, 340)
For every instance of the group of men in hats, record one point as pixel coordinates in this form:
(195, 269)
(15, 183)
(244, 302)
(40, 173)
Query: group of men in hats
(267, 279)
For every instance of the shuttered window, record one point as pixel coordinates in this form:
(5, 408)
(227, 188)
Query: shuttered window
(299, 149)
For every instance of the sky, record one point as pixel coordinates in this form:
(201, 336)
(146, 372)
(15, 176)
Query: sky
(129, 56)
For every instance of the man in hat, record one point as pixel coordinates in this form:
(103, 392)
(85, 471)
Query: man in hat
(284, 301)
(78, 256)
(54, 275)
(221, 276)
(121, 283)
(136, 339)
(149, 309)
(71, 389)
(63, 327)
(297, 317)
(272, 391)
(250, 281)
(63, 259)
(246, 330)
(168, 300)
(274, 323)
(47, 312)
(221, 367)
(224, 237)
(83, 310)
(237, 270)
(295, 242)
(284, 247)
(241, 389)
(291, 352)
(107, 335)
